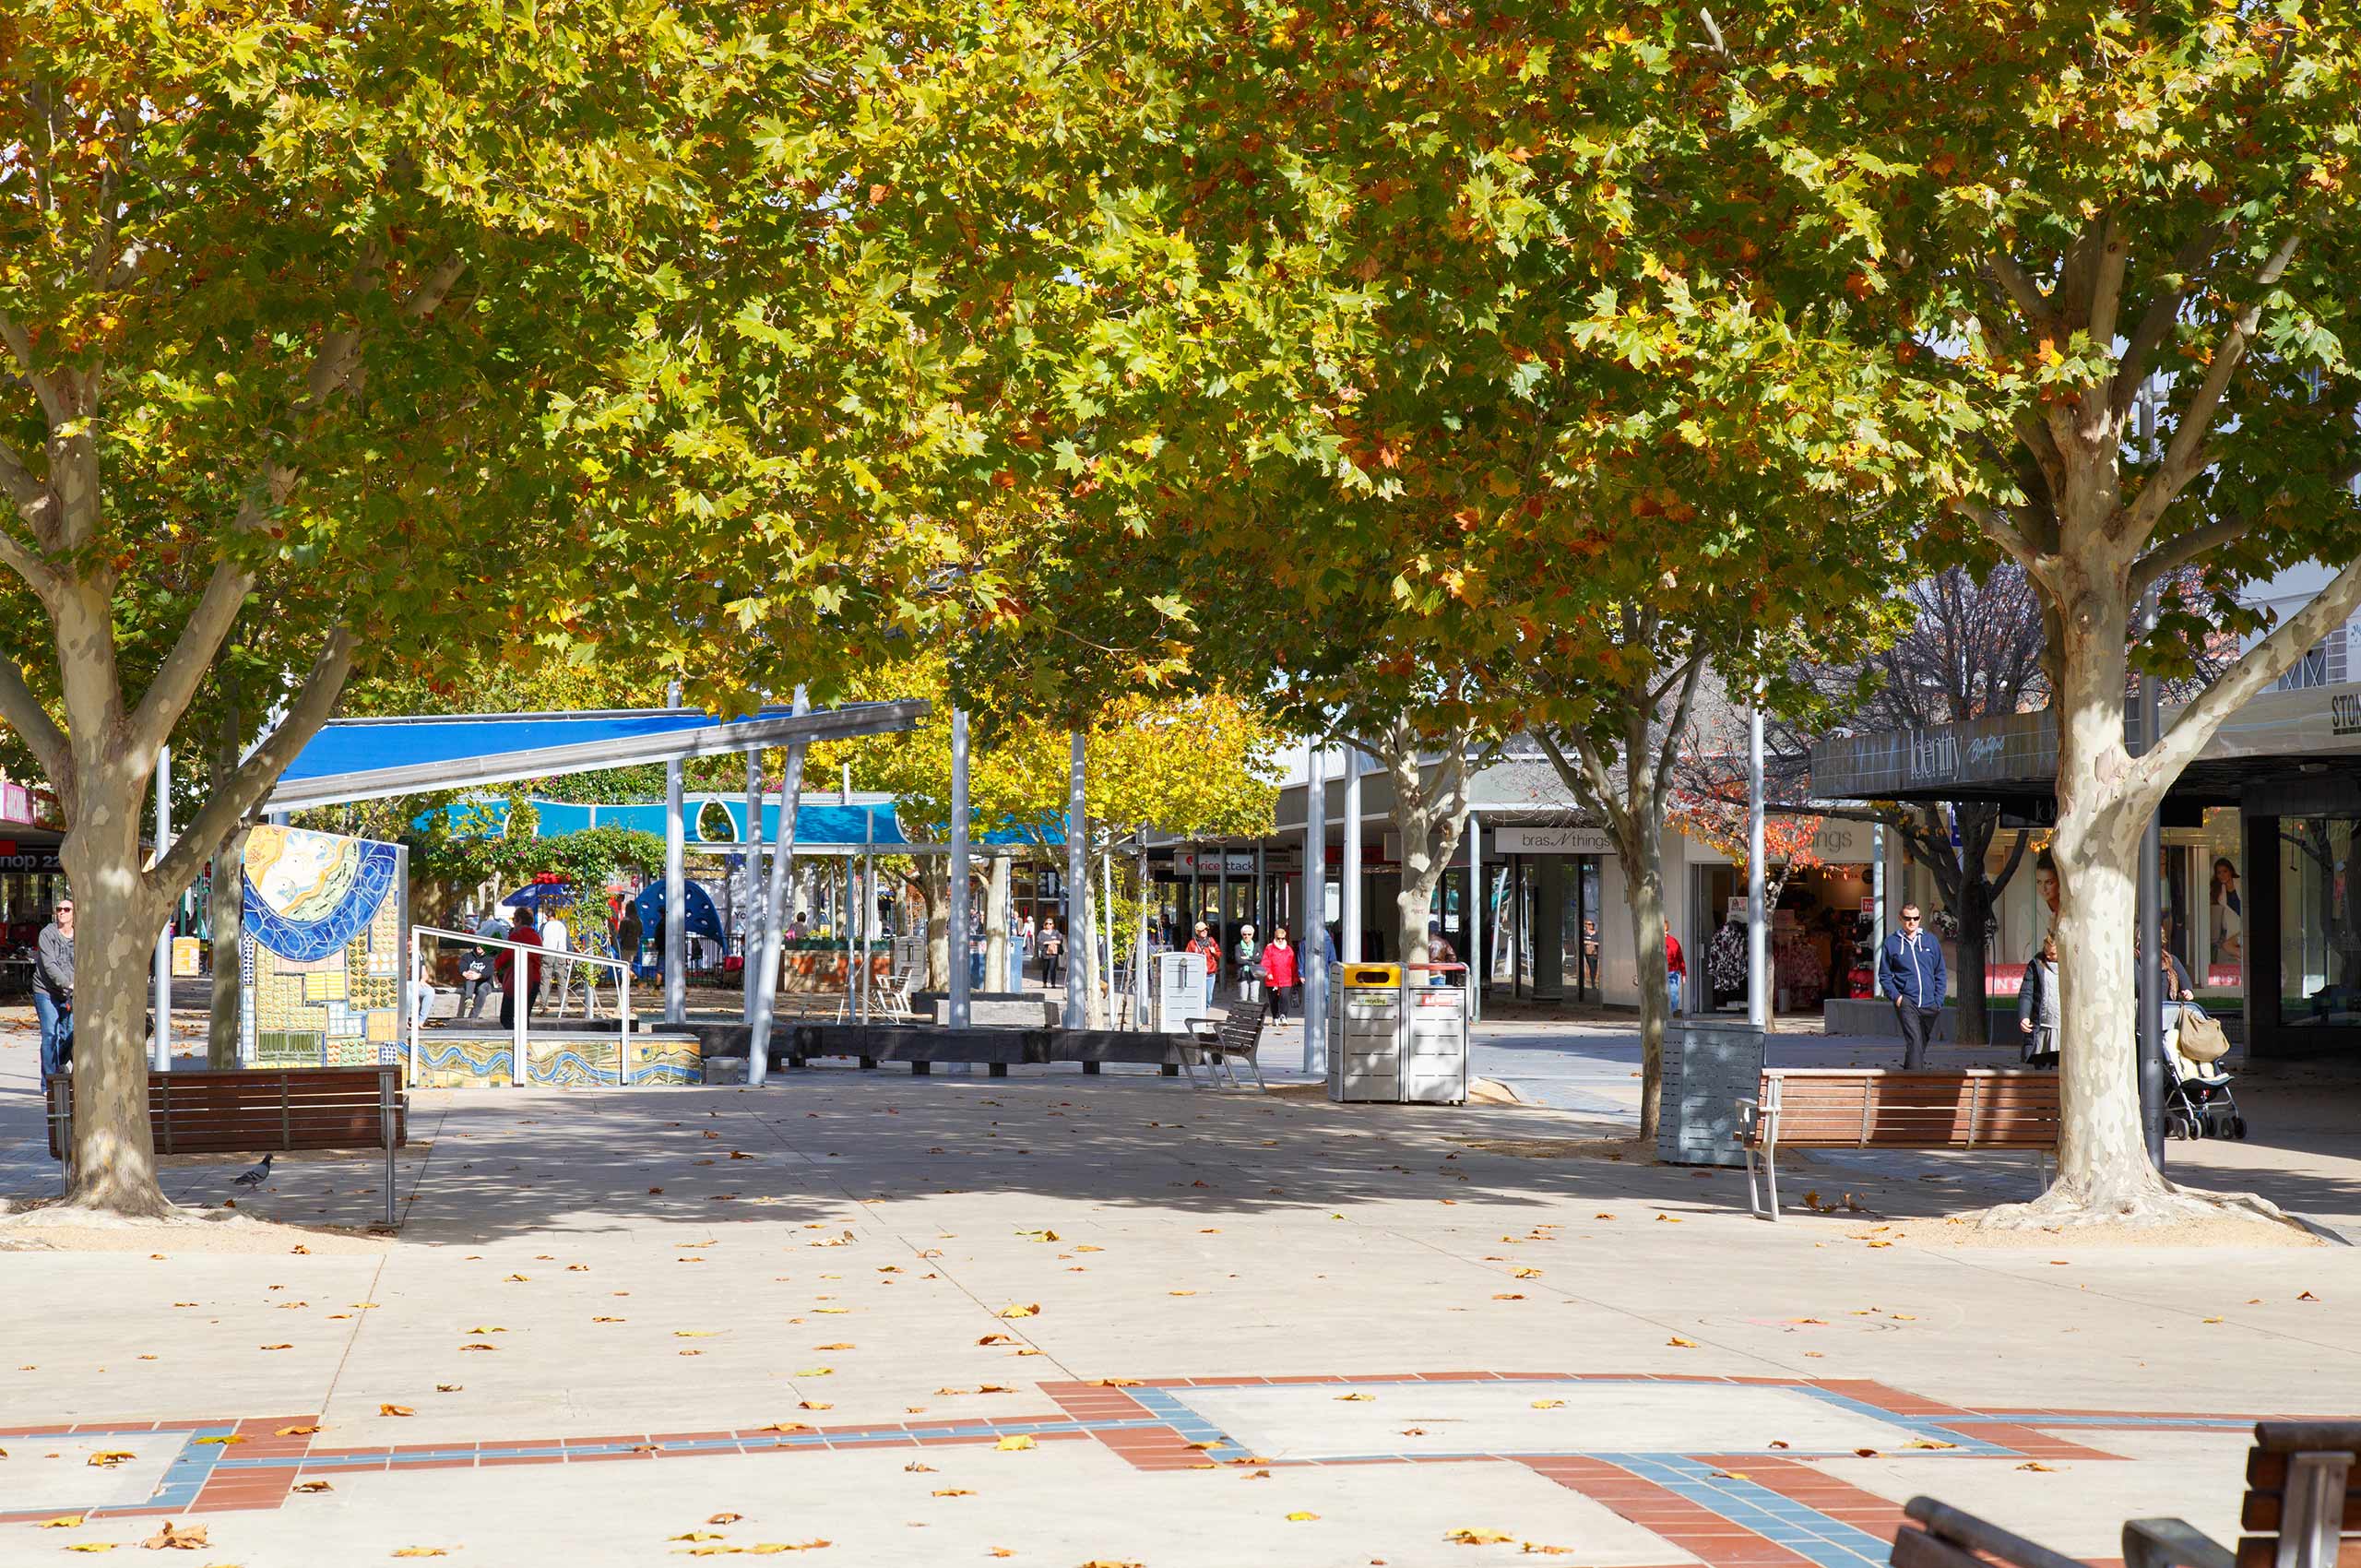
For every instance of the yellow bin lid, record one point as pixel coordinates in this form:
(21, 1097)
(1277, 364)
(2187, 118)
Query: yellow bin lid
(1362, 977)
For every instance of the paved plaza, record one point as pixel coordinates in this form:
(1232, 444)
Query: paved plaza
(865, 1318)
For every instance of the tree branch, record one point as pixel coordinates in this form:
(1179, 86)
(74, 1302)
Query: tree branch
(20, 349)
(428, 296)
(2188, 454)
(2183, 548)
(24, 715)
(233, 802)
(176, 681)
(2153, 771)
(2156, 321)
(1670, 748)
(2022, 289)
(1999, 529)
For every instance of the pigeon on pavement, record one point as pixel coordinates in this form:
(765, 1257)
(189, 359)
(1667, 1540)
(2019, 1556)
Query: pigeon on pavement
(255, 1177)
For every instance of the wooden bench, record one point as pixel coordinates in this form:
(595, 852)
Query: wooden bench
(260, 1110)
(922, 1045)
(2299, 1509)
(1979, 1108)
(1237, 1034)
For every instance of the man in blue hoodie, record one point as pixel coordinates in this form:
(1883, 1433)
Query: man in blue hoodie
(1910, 972)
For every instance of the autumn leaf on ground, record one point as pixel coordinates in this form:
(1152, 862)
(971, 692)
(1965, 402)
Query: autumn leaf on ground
(987, 1339)
(1927, 1442)
(2037, 1464)
(1354, 1398)
(953, 1491)
(314, 1486)
(1683, 1344)
(1086, 1247)
(696, 1535)
(1038, 1235)
(1528, 1274)
(814, 1405)
(1508, 1296)
(517, 1279)
(439, 1388)
(178, 1538)
(767, 1547)
(478, 1345)
(275, 1346)
(922, 1470)
(837, 1346)
(1466, 1536)
(1530, 1548)
(1300, 1514)
(1012, 1310)
(610, 1320)
(786, 1426)
(62, 1522)
(296, 1432)
(422, 1552)
(725, 1518)
(1011, 1444)
(695, 1332)
(94, 1546)
(225, 1442)
(397, 1409)
(1548, 1404)
(1114, 1383)
(107, 1459)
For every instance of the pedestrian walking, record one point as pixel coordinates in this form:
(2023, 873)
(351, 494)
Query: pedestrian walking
(1249, 965)
(1910, 972)
(53, 989)
(517, 990)
(1280, 972)
(1053, 949)
(2038, 1006)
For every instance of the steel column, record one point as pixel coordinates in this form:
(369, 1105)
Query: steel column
(161, 1047)
(782, 866)
(676, 935)
(1077, 886)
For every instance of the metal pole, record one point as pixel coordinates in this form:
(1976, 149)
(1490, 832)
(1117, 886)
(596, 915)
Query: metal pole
(868, 902)
(1877, 894)
(960, 944)
(752, 838)
(1758, 928)
(1474, 917)
(2149, 981)
(162, 1046)
(676, 943)
(1315, 908)
(1350, 948)
(782, 866)
(1077, 883)
(1139, 964)
(1107, 919)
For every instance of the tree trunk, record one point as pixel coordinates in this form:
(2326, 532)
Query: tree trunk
(1642, 852)
(938, 925)
(226, 913)
(996, 925)
(114, 1151)
(1083, 938)
(1974, 915)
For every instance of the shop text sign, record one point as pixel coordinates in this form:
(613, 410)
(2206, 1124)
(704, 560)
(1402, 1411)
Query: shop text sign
(1213, 863)
(1509, 840)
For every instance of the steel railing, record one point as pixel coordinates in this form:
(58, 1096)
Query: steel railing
(521, 1071)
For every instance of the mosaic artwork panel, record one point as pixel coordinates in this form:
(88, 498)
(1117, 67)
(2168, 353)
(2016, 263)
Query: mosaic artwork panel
(320, 959)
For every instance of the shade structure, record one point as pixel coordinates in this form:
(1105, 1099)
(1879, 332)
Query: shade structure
(368, 759)
(703, 920)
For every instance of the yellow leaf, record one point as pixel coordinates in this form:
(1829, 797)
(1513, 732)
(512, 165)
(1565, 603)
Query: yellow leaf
(817, 1371)
(396, 1409)
(695, 1332)
(312, 1486)
(515, 1279)
(814, 1405)
(1300, 1514)
(1548, 1404)
(1034, 1310)
(62, 1522)
(94, 1546)
(1927, 1442)
(422, 1552)
(1114, 1383)
(725, 1518)
(225, 1442)
(109, 1459)
(772, 1548)
(1464, 1537)
(832, 1347)
(1528, 1274)
(296, 1432)
(1179, 1292)
(953, 1491)
(1011, 1444)
(1683, 1344)
(696, 1535)
(2037, 1464)
(478, 1345)
(1354, 1398)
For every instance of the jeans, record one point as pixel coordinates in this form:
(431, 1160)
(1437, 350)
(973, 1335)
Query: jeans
(471, 997)
(1672, 983)
(56, 1033)
(1209, 994)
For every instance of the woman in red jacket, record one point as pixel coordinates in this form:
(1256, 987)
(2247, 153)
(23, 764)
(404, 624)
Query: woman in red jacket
(1279, 972)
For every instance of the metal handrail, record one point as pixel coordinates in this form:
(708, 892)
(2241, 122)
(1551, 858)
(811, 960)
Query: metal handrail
(520, 1063)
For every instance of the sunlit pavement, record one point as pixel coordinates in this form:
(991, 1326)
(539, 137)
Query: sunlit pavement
(1070, 1320)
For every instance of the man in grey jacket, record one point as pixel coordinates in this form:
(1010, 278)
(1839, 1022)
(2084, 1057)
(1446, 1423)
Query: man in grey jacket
(53, 989)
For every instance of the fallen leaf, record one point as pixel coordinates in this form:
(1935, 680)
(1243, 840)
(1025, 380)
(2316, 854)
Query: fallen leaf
(396, 1410)
(725, 1518)
(439, 1388)
(296, 1432)
(696, 1535)
(1354, 1398)
(2307, 1296)
(817, 1371)
(1528, 1274)
(225, 1442)
(1114, 1383)
(987, 1339)
(953, 1491)
(277, 1346)
(478, 1345)
(62, 1522)
(515, 1280)
(178, 1538)
(1302, 1514)
(2037, 1464)
(2212, 1320)
(312, 1486)
(610, 1320)
(1548, 1404)
(1477, 1537)
(1507, 1296)
(1179, 1292)
(814, 1405)
(1011, 1444)
(1927, 1442)
(94, 1546)
(1780, 1442)
(1667, 1220)
(422, 1552)
(1683, 1344)
(839, 1347)
(1530, 1547)
(1034, 1310)
(695, 1332)
(107, 1459)
(788, 1426)
(922, 1469)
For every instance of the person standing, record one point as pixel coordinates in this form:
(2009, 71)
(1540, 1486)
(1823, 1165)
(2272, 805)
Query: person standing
(517, 990)
(1250, 965)
(1053, 948)
(560, 971)
(1208, 949)
(2038, 1006)
(1280, 972)
(53, 989)
(1590, 955)
(1910, 972)
(1676, 967)
(629, 935)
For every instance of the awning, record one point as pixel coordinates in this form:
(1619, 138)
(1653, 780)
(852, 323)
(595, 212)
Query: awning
(368, 759)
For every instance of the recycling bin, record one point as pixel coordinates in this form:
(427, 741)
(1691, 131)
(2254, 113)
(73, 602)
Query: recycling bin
(1397, 1038)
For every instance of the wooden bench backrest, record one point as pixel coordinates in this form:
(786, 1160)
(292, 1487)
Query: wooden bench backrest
(2269, 1468)
(1241, 1027)
(1866, 1108)
(253, 1110)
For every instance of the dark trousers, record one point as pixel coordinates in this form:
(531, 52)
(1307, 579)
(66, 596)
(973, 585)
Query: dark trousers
(1050, 962)
(1280, 997)
(1918, 1027)
(508, 1009)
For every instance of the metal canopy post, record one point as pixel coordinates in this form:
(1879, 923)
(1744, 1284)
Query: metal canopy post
(782, 865)
(1139, 965)
(868, 900)
(1350, 948)
(1315, 908)
(676, 942)
(2150, 978)
(1077, 884)
(1474, 917)
(751, 941)
(162, 1046)
(1758, 932)
(961, 944)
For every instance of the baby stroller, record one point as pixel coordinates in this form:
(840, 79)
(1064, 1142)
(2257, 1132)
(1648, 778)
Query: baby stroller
(2198, 1103)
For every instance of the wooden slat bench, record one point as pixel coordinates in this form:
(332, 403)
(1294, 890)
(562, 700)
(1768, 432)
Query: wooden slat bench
(2299, 1509)
(1980, 1108)
(922, 1045)
(1236, 1035)
(260, 1110)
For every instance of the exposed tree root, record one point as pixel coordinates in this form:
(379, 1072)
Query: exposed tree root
(2150, 1203)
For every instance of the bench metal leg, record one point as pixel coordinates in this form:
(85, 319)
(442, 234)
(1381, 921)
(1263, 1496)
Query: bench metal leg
(1090, 1069)
(1171, 1070)
(1255, 1067)
(1769, 1177)
(921, 1069)
(999, 1069)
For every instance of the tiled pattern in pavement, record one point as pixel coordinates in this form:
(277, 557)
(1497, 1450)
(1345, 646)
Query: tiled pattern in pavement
(1730, 1511)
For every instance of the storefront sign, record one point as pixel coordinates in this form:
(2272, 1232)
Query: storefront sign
(32, 860)
(2344, 714)
(1213, 863)
(16, 803)
(1509, 840)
